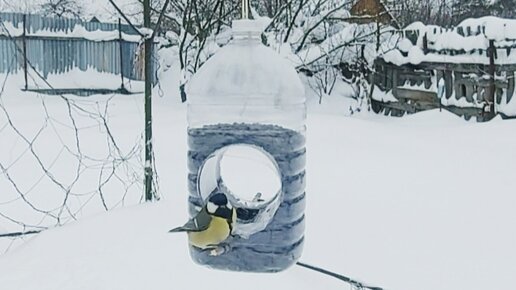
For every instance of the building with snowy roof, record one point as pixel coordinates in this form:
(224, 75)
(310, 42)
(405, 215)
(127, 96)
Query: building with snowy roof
(372, 11)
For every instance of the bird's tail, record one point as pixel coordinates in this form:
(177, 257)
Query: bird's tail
(177, 230)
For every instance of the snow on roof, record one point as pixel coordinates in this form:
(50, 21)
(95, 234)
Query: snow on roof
(79, 31)
(465, 43)
(11, 25)
(418, 25)
(494, 28)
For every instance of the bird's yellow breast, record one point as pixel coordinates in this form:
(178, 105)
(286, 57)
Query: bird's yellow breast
(217, 232)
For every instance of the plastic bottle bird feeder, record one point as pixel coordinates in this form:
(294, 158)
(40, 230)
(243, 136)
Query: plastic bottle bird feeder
(246, 116)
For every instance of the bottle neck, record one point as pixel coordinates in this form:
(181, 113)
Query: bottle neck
(247, 36)
(245, 30)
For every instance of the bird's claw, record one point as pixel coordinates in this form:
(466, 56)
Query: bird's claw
(219, 250)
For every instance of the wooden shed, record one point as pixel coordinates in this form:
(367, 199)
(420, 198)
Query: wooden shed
(372, 11)
(469, 70)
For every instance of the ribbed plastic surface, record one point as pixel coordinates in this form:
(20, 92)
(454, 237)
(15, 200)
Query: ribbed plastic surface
(280, 244)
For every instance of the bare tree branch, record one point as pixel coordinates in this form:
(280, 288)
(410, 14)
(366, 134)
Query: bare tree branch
(125, 18)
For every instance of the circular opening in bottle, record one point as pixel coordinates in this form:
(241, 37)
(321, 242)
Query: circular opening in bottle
(251, 179)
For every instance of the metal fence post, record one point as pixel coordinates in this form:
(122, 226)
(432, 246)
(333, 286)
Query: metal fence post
(121, 42)
(24, 39)
(491, 53)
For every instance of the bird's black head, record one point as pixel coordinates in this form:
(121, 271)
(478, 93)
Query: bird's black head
(219, 199)
(218, 205)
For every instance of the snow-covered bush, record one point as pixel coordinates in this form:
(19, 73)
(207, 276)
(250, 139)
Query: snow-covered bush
(315, 35)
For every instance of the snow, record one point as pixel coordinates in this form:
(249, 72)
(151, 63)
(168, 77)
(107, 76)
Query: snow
(340, 101)
(263, 20)
(253, 181)
(415, 26)
(394, 57)
(452, 40)
(247, 171)
(79, 31)
(507, 107)
(90, 78)
(414, 211)
(310, 54)
(495, 28)
(382, 96)
(461, 102)
(415, 55)
(77, 79)
(45, 122)
(421, 87)
(405, 45)
(142, 255)
(354, 36)
(443, 40)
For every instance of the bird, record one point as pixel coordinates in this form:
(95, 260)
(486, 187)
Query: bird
(212, 226)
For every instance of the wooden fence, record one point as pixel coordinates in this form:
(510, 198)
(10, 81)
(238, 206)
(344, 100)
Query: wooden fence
(58, 45)
(480, 89)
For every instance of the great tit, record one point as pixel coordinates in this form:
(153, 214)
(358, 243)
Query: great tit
(212, 225)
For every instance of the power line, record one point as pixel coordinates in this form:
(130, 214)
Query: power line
(19, 234)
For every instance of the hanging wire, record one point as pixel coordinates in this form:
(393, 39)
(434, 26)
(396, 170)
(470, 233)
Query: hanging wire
(245, 9)
(352, 282)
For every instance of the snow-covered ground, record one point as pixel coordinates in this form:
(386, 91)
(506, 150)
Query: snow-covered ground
(424, 202)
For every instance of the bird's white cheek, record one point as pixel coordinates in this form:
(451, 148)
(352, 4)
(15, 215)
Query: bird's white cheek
(211, 207)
